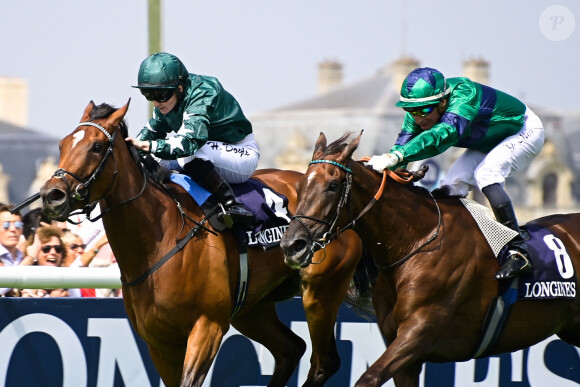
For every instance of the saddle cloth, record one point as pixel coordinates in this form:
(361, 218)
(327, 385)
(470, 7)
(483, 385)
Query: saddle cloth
(552, 276)
(270, 209)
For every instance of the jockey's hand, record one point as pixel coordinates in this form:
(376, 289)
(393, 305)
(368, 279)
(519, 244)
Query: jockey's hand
(144, 146)
(381, 162)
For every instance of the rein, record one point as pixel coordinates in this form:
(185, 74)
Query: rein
(402, 177)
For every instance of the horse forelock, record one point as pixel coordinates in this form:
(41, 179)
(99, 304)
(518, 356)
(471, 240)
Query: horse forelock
(105, 110)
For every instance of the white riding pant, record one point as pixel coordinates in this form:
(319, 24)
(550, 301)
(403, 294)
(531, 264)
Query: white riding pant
(234, 162)
(478, 169)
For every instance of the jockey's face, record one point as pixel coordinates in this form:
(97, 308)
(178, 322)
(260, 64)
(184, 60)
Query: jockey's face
(429, 120)
(167, 106)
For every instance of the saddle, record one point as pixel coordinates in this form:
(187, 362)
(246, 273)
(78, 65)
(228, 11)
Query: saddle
(270, 210)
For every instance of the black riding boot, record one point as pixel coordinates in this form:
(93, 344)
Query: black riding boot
(233, 212)
(517, 261)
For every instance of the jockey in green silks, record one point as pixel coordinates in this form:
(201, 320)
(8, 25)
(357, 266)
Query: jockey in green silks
(500, 133)
(201, 127)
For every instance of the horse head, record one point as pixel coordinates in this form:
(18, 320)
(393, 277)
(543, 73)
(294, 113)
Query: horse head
(86, 169)
(322, 193)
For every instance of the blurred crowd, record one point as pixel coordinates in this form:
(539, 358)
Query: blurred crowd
(33, 239)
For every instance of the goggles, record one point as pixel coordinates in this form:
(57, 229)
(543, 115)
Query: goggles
(46, 248)
(17, 224)
(422, 111)
(159, 95)
(74, 246)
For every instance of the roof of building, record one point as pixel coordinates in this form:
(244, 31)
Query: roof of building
(370, 93)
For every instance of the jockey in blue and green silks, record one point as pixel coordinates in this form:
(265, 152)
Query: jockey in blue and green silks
(501, 134)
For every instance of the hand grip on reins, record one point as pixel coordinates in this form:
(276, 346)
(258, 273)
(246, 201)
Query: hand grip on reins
(25, 203)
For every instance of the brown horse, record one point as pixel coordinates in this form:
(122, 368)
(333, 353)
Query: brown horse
(181, 305)
(436, 270)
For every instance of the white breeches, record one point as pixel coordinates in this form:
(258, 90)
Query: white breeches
(479, 169)
(234, 162)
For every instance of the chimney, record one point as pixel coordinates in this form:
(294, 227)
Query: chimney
(14, 101)
(477, 70)
(399, 70)
(329, 76)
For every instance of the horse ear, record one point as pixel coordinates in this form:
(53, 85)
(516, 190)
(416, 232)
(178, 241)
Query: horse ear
(87, 113)
(350, 148)
(115, 119)
(319, 147)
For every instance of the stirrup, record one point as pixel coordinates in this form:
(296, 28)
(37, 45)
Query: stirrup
(224, 217)
(230, 216)
(508, 270)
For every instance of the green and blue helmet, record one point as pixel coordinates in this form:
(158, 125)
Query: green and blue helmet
(161, 71)
(423, 86)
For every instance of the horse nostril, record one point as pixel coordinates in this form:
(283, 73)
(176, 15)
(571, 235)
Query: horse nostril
(298, 245)
(55, 196)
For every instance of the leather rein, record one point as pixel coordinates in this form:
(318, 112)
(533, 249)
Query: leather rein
(402, 177)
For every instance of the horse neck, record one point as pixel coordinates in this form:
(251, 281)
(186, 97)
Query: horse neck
(135, 226)
(398, 221)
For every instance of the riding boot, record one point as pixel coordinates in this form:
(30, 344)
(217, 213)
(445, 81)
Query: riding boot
(233, 212)
(517, 261)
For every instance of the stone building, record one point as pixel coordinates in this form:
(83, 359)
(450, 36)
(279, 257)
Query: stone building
(27, 158)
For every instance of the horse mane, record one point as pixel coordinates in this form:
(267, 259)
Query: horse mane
(156, 172)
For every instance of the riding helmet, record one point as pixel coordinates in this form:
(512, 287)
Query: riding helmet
(423, 86)
(161, 71)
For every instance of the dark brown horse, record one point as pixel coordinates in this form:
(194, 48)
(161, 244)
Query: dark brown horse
(436, 270)
(183, 308)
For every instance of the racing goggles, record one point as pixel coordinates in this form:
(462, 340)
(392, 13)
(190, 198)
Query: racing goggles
(422, 111)
(159, 95)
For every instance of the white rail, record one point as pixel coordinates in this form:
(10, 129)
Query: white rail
(35, 277)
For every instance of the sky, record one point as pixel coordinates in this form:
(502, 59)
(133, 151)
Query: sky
(266, 52)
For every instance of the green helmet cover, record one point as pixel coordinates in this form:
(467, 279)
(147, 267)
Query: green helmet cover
(161, 71)
(423, 86)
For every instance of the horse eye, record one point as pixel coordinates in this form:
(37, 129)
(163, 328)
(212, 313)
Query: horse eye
(97, 147)
(332, 186)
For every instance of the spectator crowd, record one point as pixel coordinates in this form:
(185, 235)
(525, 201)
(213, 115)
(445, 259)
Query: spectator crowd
(33, 239)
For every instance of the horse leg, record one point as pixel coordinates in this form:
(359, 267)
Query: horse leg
(404, 355)
(202, 346)
(324, 288)
(385, 368)
(401, 359)
(262, 325)
(169, 365)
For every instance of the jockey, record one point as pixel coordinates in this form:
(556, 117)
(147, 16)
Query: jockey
(200, 125)
(501, 134)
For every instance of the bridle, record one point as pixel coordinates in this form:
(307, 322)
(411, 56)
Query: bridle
(82, 190)
(334, 231)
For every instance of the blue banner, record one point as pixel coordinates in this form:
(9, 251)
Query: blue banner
(89, 342)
